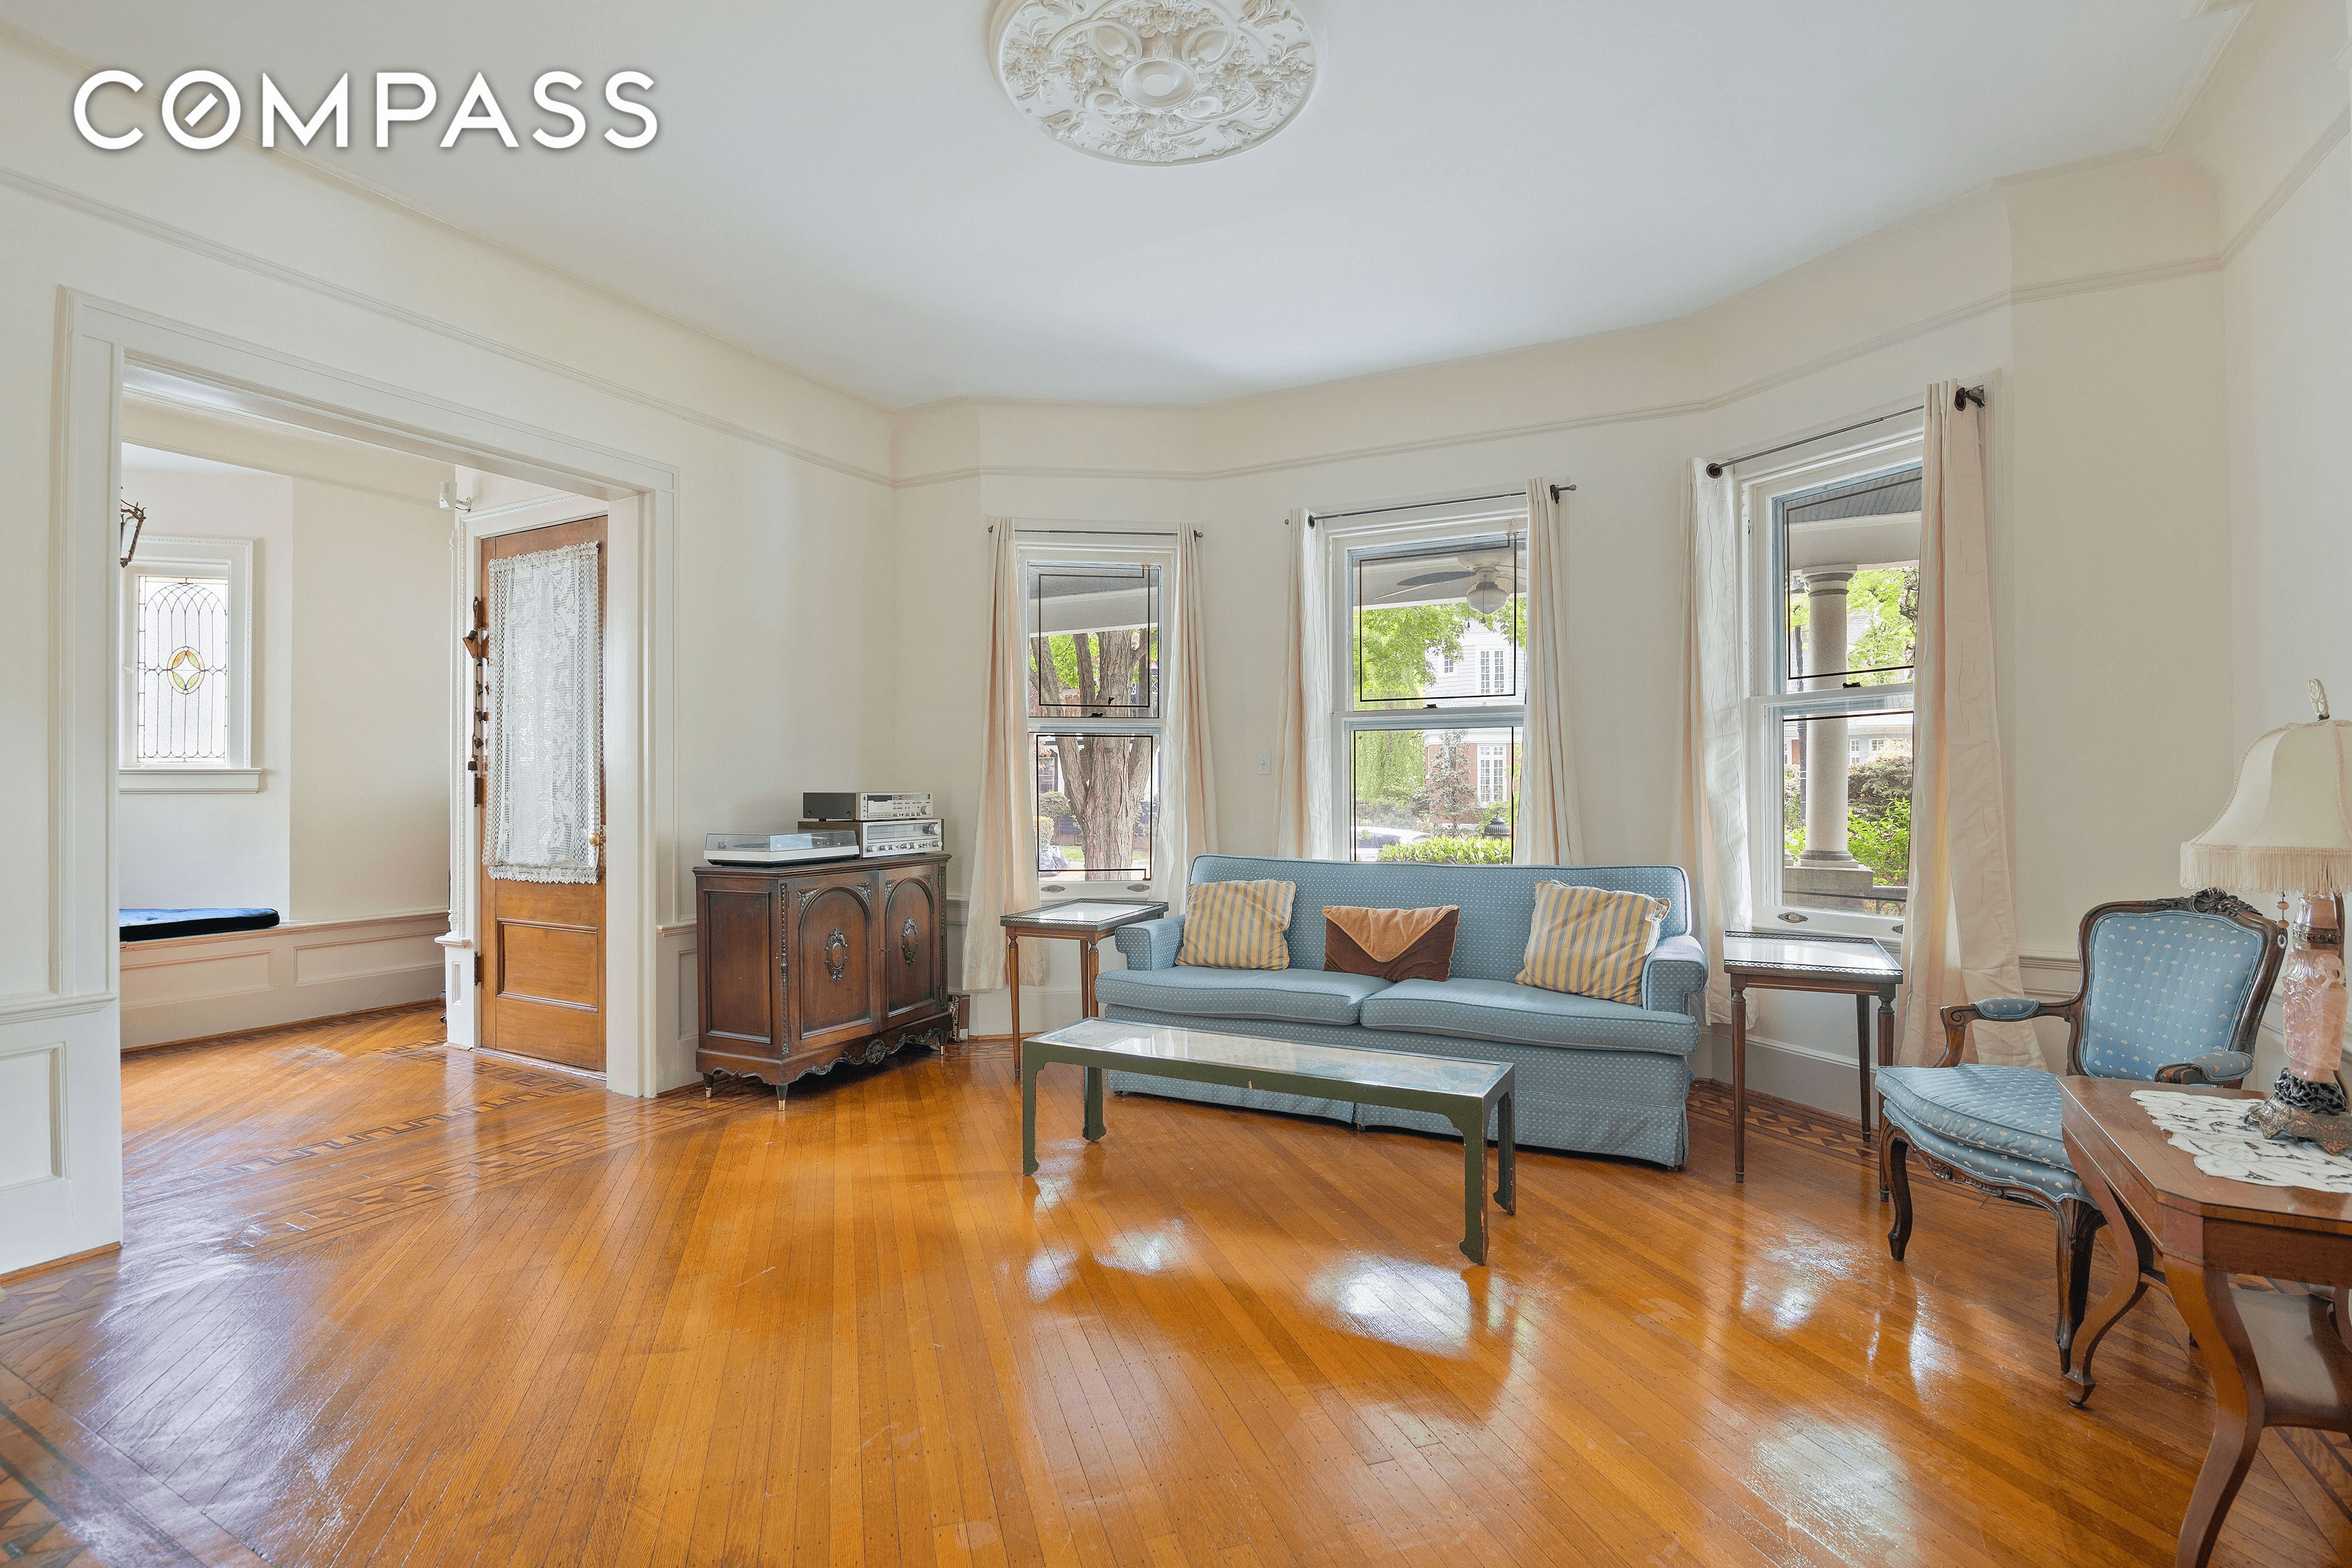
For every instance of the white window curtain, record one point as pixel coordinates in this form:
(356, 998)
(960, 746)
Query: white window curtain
(1004, 838)
(1188, 796)
(1711, 824)
(1550, 832)
(1304, 825)
(1960, 939)
(545, 810)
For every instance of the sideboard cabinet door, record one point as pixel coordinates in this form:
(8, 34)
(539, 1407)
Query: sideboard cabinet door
(914, 943)
(832, 935)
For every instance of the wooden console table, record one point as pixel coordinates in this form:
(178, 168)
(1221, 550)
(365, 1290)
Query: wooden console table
(1858, 966)
(1089, 921)
(2276, 1360)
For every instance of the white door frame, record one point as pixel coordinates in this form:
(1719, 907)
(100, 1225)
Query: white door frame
(70, 1034)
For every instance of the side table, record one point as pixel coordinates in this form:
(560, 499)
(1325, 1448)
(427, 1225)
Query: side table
(1088, 921)
(1858, 966)
(2276, 1360)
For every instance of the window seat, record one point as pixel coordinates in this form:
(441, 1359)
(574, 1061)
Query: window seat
(154, 925)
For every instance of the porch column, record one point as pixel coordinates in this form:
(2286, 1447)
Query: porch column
(1826, 739)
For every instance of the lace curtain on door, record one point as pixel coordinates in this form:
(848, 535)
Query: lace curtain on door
(545, 806)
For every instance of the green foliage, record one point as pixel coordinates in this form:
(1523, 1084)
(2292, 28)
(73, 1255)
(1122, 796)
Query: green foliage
(1054, 804)
(1881, 623)
(1883, 843)
(1872, 788)
(1449, 788)
(1393, 646)
(1390, 766)
(1889, 597)
(1452, 851)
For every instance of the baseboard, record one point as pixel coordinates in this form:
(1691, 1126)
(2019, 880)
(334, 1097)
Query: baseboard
(53, 1264)
(183, 988)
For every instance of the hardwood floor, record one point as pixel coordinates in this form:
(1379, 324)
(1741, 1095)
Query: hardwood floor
(383, 1303)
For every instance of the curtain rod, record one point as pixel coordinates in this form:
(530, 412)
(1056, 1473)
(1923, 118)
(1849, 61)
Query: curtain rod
(1960, 400)
(1109, 532)
(1315, 517)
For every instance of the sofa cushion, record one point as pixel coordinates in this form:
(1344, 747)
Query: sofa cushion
(1391, 945)
(1498, 1010)
(1237, 925)
(1280, 995)
(1497, 902)
(1592, 941)
(2015, 1112)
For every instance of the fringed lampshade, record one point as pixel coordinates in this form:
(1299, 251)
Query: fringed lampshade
(2288, 826)
(2288, 829)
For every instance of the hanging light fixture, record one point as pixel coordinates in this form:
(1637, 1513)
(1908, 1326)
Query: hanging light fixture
(1485, 595)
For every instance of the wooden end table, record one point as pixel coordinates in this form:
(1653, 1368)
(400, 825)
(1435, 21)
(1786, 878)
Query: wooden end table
(1088, 921)
(1858, 966)
(2276, 1360)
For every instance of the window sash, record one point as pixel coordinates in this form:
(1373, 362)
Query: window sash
(1771, 698)
(1152, 724)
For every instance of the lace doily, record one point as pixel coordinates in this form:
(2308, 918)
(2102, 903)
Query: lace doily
(2213, 1133)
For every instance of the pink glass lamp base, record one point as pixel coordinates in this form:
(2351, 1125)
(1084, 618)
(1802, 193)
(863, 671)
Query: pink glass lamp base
(2308, 1102)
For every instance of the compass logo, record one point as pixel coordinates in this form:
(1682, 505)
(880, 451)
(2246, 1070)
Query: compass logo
(201, 110)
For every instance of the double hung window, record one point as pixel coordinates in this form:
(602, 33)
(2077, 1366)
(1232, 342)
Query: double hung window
(1835, 550)
(1093, 621)
(1432, 687)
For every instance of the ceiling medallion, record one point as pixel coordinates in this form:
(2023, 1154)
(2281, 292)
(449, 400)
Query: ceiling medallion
(1155, 82)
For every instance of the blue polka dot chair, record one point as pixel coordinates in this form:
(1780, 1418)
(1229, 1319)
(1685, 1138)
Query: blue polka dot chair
(2172, 992)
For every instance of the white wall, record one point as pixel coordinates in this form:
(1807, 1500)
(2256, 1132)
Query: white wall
(780, 666)
(2271, 133)
(175, 851)
(371, 637)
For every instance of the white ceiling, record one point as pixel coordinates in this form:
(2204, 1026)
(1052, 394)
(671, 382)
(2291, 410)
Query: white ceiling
(844, 187)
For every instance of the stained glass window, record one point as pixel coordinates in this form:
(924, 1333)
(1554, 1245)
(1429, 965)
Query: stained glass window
(181, 670)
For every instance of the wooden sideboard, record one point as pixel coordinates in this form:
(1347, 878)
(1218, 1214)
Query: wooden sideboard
(801, 968)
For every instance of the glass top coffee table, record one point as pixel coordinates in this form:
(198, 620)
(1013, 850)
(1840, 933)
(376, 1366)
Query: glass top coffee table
(1463, 1093)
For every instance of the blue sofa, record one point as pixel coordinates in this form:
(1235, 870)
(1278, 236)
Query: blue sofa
(1604, 1077)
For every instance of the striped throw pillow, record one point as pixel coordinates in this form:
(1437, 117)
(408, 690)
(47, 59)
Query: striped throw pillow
(1590, 941)
(1237, 925)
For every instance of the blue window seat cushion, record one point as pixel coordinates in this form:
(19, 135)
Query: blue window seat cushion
(154, 925)
(1276, 995)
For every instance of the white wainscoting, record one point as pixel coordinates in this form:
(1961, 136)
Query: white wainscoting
(184, 987)
(677, 999)
(60, 1092)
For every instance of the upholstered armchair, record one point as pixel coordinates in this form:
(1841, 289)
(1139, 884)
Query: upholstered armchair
(2172, 992)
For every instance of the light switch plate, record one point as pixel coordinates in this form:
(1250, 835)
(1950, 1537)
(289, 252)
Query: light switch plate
(1265, 761)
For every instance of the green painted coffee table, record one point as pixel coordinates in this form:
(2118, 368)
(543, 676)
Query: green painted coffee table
(1463, 1092)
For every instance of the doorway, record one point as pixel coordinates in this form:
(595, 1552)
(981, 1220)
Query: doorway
(541, 989)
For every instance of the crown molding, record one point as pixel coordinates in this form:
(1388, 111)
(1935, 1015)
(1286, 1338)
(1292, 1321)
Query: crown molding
(213, 250)
(2291, 182)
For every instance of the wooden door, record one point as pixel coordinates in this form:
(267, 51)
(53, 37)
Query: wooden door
(913, 943)
(542, 980)
(831, 959)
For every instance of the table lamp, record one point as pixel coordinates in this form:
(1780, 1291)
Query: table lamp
(2288, 828)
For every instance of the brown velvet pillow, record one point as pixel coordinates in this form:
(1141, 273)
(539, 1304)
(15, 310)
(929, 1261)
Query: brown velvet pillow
(1391, 944)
